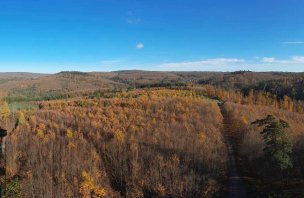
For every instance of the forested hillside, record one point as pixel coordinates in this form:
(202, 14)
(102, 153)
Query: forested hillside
(134, 146)
(27, 86)
(150, 134)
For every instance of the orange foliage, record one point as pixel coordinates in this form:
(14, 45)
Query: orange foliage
(145, 142)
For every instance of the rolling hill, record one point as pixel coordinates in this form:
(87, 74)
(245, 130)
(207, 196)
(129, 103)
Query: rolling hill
(31, 85)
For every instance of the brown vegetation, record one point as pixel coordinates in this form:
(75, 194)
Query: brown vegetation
(160, 143)
(250, 145)
(96, 135)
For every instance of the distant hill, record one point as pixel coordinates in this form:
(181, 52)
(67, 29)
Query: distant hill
(40, 86)
(25, 75)
(36, 87)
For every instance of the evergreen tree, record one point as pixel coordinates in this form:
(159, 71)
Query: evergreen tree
(278, 147)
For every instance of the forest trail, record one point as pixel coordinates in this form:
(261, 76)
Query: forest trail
(236, 186)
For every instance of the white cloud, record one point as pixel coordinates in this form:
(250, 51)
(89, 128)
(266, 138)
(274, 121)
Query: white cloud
(294, 63)
(291, 60)
(298, 59)
(140, 46)
(268, 59)
(293, 42)
(215, 61)
(207, 64)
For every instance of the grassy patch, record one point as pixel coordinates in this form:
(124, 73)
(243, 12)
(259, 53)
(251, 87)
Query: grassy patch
(32, 94)
(17, 106)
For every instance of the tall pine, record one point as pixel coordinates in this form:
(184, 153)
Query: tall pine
(278, 147)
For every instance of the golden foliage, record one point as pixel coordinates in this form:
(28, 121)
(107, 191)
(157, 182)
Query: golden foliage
(69, 133)
(144, 127)
(244, 120)
(201, 137)
(21, 118)
(40, 133)
(251, 144)
(88, 188)
(119, 136)
(5, 111)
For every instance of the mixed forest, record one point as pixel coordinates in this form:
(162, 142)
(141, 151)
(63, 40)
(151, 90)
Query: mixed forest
(152, 134)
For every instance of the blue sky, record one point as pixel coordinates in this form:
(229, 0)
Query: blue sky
(105, 35)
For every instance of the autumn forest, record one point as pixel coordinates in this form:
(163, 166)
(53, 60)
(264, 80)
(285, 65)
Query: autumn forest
(152, 134)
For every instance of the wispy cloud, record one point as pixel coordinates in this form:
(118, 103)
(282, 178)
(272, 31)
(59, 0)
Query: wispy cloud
(215, 61)
(132, 18)
(201, 65)
(140, 46)
(291, 60)
(294, 42)
(298, 59)
(294, 63)
(268, 60)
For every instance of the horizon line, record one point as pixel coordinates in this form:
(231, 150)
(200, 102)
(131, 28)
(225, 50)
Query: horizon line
(139, 70)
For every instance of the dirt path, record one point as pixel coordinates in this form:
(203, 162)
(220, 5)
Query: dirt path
(236, 186)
